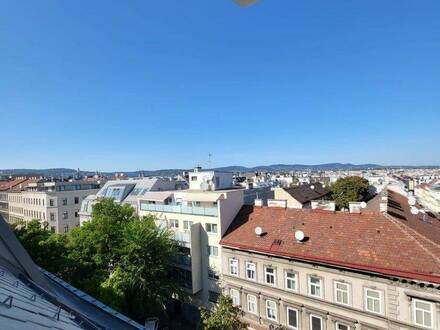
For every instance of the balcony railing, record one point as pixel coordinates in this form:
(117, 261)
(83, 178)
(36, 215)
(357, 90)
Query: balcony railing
(196, 210)
(183, 237)
(182, 259)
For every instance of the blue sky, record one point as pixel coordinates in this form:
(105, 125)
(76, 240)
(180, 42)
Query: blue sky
(161, 84)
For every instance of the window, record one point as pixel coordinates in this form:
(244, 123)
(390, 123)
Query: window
(251, 271)
(233, 267)
(252, 304)
(52, 229)
(423, 313)
(51, 202)
(340, 326)
(291, 280)
(64, 201)
(235, 295)
(315, 322)
(373, 301)
(212, 274)
(187, 225)
(174, 223)
(271, 310)
(211, 228)
(213, 296)
(212, 251)
(292, 318)
(269, 274)
(342, 293)
(194, 178)
(66, 228)
(315, 286)
(76, 200)
(65, 215)
(76, 214)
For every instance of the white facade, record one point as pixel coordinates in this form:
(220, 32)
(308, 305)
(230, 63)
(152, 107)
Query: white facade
(209, 180)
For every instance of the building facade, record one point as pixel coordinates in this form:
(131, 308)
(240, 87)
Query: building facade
(344, 271)
(197, 219)
(55, 202)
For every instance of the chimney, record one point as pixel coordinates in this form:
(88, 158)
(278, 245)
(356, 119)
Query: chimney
(324, 205)
(354, 207)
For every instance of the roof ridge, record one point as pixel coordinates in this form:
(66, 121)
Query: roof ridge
(406, 229)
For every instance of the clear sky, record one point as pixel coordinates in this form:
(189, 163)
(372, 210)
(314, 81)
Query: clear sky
(127, 85)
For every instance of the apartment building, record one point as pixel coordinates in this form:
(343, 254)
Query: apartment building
(197, 217)
(55, 202)
(6, 187)
(429, 196)
(301, 196)
(127, 191)
(320, 270)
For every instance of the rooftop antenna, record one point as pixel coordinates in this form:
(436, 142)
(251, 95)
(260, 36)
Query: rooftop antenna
(209, 160)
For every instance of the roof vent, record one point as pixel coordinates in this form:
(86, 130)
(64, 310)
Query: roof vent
(258, 231)
(299, 235)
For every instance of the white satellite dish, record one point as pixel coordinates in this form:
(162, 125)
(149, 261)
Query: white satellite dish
(258, 231)
(363, 205)
(299, 235)
(412, 201)
(414, 210)
(312, 187)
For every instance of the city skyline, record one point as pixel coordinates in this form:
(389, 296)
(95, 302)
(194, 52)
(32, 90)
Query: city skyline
(162, 85)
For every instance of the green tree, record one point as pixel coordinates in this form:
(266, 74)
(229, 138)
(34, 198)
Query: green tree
(141, 281)
(349, 189)
(45, 248)
(225, 316)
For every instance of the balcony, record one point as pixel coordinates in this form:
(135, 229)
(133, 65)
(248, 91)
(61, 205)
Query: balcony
(183, 238)
(182, 259)
(174, 208)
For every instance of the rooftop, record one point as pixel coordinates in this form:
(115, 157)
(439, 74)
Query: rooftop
(304, 193)
(360, 241)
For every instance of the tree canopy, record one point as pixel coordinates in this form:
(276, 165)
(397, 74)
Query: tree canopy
(225, 316)
(117, 257)
(349, 189)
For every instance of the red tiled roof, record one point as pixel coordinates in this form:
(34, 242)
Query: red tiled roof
(369, 241)
(7, 185)
(399, 208)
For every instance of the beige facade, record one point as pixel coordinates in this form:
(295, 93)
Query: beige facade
(278, 291)
(59, 208)
(198, 220)
(283, 195)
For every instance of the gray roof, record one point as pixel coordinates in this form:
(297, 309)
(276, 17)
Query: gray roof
(31, 298)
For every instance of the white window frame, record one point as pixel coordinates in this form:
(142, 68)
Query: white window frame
(343, 324)
(173, 223)
(231, 262)
(321, 286)
(188, 223)
(255, 302)
(380, 300)
(235, 296)
(287, 318)
(212, 248)
(274, 274)
(268, 301)
(295, 280)
(211, 225)
(248, 263)
(318, 317)
(414, 310)
(335, 292)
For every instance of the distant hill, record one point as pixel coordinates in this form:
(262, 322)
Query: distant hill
(169, 172)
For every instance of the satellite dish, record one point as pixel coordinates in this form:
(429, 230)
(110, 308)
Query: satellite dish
(414, 210)
(363, 205)
(312, 187)
(258, 231)
(299, 235)
(412, 201)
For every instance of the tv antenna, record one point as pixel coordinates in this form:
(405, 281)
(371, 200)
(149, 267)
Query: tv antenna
(209, 159)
